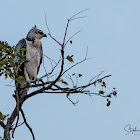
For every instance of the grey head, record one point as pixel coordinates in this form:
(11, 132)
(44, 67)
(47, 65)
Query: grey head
(35, 33)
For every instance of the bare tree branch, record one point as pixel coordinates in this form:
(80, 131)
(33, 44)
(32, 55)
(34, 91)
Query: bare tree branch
(74, 66)
(78, 13)
(50, 58)
(55, 40)
(66, 32)
(86, 53)
(105, 96)
(83, 87)
(52, 69)
(72, 37)
(74, 103)
(70, 79)
(20, 124)
(44, 65)
(97, 76)
(50, 61)
(47, 23)
(78, 18)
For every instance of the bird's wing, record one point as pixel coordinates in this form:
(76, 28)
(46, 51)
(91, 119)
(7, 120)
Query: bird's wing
(41, 55)
(21, 44)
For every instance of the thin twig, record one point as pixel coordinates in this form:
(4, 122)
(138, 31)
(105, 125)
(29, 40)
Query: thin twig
(83, 87)
(50, 61)
(78, 18)
(55, 40)
(52, 75)
(74, 66)
(50, 58)
(71, 100)
(44, 65)
(72, 36)
(52, 69)
(66, 32)
(47, 23)
(76, 80)
(90, 96)
(105, 96)
(96, 76)
(20, 124)
(86, 53)
(70, 79)
(78, 13)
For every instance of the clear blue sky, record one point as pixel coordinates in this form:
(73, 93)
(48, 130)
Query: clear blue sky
(111, 31)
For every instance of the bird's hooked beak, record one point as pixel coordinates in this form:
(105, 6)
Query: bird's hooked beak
(44, 35)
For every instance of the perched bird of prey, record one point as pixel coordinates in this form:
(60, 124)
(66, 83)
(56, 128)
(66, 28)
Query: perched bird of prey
(33, 56)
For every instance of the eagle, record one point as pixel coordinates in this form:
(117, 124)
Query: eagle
(29, 69)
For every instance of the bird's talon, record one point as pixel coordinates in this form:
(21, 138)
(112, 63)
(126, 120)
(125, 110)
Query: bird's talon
(29, 83)
(37, 80)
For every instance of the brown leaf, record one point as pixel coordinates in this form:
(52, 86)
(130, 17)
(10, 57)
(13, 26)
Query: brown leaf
(103, 84)
(108, 103)
(80, 75)
(70, 41)
(70, 59)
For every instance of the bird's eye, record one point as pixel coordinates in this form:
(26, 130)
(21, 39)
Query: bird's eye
(41, 33)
